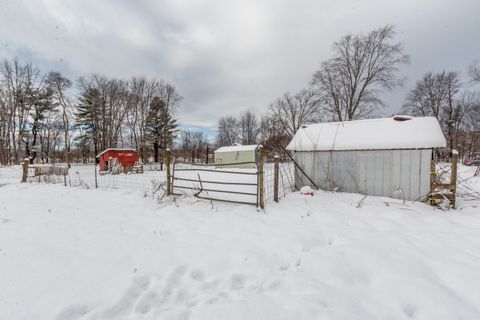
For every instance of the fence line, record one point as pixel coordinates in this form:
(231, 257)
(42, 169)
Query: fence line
(229, 184)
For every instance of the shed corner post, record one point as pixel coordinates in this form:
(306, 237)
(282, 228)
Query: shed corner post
(25, 170)
(261, 173)
(168, 155)
(276, 176)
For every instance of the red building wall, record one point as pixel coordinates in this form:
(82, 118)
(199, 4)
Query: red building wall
(125, 157)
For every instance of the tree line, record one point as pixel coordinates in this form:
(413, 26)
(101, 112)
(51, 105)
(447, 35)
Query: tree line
(48, 117)
(350, 85)
(43, 120)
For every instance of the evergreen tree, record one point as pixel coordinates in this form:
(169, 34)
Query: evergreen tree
(161, 126)
(87, 117)
(42, 104)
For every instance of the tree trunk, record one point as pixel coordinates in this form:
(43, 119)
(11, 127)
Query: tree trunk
(155, 151)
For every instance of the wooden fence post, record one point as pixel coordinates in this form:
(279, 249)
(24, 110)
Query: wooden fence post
(168, 154)
(261, 173)
(433, 174)
(25, 170)
(453, 177)
(276, 176)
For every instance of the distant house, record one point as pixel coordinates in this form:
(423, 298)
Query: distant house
(237, 156)
(382, 157)
(115, 160)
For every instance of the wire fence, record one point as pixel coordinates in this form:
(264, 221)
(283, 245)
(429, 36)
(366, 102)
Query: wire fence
(149, 183)
(286, 180)
(223, 183)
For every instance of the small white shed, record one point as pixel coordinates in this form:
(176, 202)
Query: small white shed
(382, 157)
(237, 156)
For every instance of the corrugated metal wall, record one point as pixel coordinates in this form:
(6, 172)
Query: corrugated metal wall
(391, 173)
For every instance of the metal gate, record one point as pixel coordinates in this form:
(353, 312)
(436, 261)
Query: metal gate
(219, 182)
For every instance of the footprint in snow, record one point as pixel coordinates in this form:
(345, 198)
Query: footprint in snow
(73, 312)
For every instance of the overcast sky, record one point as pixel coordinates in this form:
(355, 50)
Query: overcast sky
(226, 56)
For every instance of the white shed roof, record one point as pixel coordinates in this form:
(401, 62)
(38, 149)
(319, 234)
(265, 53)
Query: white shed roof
(398, 132)
(250, 147)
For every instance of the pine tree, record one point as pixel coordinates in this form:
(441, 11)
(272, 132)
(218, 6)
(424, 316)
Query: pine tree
(42, 103)
(87, 117)
(160, 126)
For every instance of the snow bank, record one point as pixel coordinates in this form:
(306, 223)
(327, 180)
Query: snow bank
(96, 254)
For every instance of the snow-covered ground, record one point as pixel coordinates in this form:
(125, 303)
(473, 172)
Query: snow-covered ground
(73, 253)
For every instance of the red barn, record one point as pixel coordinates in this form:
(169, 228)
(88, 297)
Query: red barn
(114, 157)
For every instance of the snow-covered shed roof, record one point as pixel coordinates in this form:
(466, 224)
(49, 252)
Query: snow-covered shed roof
(115, 149)
(250, 147)
(398, 132)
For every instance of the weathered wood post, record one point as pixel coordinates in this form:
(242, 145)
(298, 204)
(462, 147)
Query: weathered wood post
(276, 176)
(95, 169)
(25, 170)
(433, 175)
(168, 155)
(261, 173)
(453, 177)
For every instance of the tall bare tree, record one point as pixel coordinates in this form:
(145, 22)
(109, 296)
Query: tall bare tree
(349, 84)
(291, 112)
(228, 131)
(470, 102)
(59, 86)
(193, 144)
(474, 72)
(142, 91)
(436, 95)
(20, 84)
(249, 127)
(272, 136)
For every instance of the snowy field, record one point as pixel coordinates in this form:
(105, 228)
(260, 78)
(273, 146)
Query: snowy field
(77, 253)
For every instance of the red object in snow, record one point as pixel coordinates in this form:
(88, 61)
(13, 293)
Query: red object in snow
(126, 157)
(306, 191)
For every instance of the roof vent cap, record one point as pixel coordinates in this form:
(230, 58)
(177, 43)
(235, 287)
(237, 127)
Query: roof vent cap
(401, 118)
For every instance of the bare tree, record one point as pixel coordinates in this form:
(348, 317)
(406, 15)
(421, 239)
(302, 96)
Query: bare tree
(291, 112)
(349, 84)
(436, 95)
(249, 127)
(59, 86)
(20, 84)
(142, 91)
(474, 72)
(470, 102)
(272, 136)
(192, 143)
(228, 131)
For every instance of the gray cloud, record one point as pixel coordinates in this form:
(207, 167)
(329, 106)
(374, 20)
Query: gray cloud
(225, 56)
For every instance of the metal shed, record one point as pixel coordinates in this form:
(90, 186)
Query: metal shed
(380, 157)
(240, 156)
